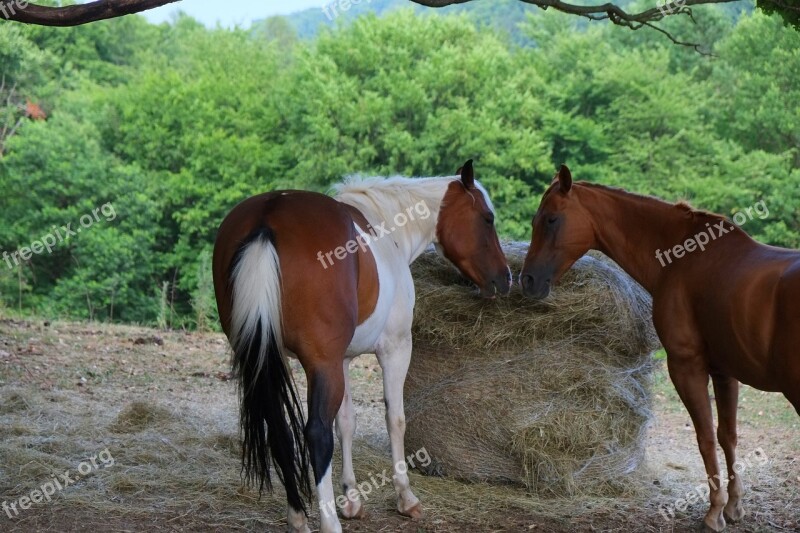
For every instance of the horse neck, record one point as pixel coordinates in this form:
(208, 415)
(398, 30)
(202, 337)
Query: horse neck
(630, 229)
(380, 201)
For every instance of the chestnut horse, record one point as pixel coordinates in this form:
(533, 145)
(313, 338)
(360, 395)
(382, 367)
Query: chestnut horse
(324, 280)
(724, 305)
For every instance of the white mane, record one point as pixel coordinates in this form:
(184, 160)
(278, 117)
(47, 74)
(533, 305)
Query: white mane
(381, 199)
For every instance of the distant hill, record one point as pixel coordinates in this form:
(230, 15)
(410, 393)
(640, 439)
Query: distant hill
(500, 14)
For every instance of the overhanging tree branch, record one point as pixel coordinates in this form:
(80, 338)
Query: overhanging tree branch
(612, 12)
(74, 15)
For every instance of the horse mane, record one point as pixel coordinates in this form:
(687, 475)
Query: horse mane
(381, 198)
(700, 214)
(387, 194)
(683, 206)
(379, 185)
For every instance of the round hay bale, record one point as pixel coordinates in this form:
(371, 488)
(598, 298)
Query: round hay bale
(551, 395)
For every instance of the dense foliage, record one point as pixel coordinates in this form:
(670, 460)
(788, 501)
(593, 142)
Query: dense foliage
(172, 125)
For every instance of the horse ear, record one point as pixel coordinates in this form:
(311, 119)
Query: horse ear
(467, 175)
(565, 179)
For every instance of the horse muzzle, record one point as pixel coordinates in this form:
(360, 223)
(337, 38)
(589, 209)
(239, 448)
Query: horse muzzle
(499, 285)
(536, 287)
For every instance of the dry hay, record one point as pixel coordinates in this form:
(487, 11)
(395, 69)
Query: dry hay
(551, 395)
(171, 426)
(164, 463)
(181, 472)
(176, 467)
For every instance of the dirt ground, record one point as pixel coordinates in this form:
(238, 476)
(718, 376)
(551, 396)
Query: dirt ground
(143, 423)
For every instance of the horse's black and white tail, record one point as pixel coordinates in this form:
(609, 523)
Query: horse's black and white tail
(271, 417)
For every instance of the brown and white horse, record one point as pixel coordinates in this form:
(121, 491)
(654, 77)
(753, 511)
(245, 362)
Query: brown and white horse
(324, 280)
(724, 305)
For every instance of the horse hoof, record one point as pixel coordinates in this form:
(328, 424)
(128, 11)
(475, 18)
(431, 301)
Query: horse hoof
(713, 525)
(414, 512)
(354, 510)
(734, 513)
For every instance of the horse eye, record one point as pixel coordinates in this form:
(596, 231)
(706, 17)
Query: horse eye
(552, 220)
(489, 218)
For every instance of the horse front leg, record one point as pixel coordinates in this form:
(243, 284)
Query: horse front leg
(394, 357)
(726, 391)
(690, 377)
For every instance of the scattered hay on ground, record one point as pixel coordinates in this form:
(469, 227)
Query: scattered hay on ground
(183, 474)
(138, 416)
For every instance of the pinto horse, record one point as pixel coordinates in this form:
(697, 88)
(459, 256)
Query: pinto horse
(324, 279)
(724, 305)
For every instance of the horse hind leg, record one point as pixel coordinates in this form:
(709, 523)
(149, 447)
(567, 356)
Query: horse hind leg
(297, 520)
(726, 391)
(353, 506)
(325, 393)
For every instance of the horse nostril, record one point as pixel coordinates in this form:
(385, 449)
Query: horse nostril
(526, 280)
(502, 283)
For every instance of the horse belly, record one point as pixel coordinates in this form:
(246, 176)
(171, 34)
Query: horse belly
(369, 331)
(785, 357)
(366, 335)
(745, 365)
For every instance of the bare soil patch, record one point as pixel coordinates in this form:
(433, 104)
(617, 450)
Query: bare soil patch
(163, 407)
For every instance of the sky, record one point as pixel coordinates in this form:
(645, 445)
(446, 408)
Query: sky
(232, 12)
